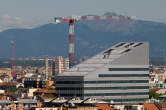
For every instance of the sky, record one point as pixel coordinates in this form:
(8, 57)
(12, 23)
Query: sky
(32, 13)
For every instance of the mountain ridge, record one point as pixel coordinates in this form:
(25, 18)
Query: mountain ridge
(92, 36)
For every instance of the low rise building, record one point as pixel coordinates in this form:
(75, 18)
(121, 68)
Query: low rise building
(44, 92)
(8, 85)
(35, 82)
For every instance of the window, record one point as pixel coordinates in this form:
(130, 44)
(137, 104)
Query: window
(71, 95)
(124, 100)
(68, 88)
(116, 94)
(128, 69)
(123, 75)
(116, 81)
(121, 88)
(68, 82)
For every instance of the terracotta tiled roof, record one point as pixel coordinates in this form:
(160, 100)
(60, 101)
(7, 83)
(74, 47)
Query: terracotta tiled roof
(8, 84)
(104, 106)
(44, 91)
(156, 70)
(150, 107)
(154, 89)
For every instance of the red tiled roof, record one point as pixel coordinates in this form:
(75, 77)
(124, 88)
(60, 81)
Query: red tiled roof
(150, 107)
(44, 91)
(154, 89)
(8, 83)
(156, 70)
(104, 106)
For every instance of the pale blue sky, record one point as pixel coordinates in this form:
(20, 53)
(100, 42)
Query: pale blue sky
(46, 9)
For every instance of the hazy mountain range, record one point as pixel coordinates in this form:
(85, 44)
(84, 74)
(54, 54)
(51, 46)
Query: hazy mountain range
(91, 37)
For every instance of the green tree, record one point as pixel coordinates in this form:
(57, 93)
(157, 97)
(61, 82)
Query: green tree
(152, 93)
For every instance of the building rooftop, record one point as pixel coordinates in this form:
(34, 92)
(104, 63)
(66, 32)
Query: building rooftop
(150, 107)
(103, 58)
(8, 83)
(104, 107)
(75, 100)
(5, 101)
(44, 91)
(28, 101)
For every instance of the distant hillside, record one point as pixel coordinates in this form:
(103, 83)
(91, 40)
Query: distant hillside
(91, 37)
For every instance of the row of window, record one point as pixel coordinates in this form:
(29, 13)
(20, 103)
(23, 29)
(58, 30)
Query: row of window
(70, 95)
(116, 94)
(69, 82)
(102, 82)
(103, 94)
(116, 81)
(128, 69)
(112, 88)
(125, 100)
(123, 75)
(102, 88)
(69, 88)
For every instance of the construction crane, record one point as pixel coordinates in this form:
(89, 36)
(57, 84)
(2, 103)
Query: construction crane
(46, 67)
(12, 68)
(72, 20)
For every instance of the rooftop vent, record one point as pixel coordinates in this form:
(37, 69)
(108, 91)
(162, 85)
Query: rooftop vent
(121, 44)
(129, 44)
(126, 51)
(138, 44)
(108, 51)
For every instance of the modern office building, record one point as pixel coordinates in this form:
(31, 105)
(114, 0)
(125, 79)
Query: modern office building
(119, 74)
(59, 65)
